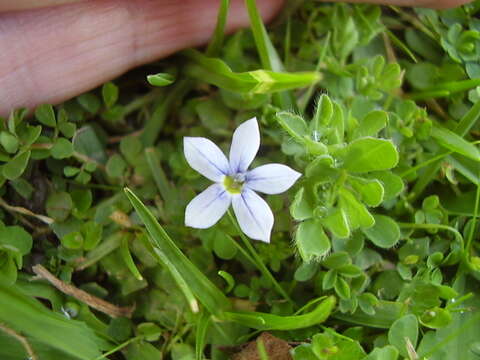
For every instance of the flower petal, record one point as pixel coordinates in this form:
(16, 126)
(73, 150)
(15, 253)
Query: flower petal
(207, 207)
(205, 157)
(245, 144)
(253, 214)
(271, 178)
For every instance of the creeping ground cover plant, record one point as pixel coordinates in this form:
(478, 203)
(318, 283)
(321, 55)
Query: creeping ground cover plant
(129, 214)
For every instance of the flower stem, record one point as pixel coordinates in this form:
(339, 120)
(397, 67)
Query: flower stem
(259, 262)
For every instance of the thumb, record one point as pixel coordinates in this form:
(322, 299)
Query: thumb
(56, 53)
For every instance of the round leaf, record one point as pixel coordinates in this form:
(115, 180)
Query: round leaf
(15, 167)
(370, 154)
(9, 142)
(385, 233)
(311, 240)
(62, 149)
(45, 115)
(16, 238)
(404, 328)
(59, 206)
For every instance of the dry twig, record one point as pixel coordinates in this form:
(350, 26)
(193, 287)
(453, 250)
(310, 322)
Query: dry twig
(83, 296)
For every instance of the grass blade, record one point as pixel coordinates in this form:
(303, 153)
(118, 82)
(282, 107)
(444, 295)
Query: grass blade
(216, 42)
(462, 128)
(455, 143)
(265, 321)
(203, 289)
(269, 57)
(203, 324)
(32, 319)
(218, 73)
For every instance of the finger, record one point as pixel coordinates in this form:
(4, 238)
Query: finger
(9, 5)
(53, 54)
(434, 4)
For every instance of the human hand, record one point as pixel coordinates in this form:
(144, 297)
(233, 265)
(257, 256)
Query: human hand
(56, 52)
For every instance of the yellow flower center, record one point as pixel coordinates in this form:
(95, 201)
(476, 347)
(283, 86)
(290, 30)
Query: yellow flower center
(234, 184)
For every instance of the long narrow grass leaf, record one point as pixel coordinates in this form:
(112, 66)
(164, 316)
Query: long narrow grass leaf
(265, 321)
(216, 42)
(269, 57)
(155, 122)
(218, 73)
(451, 141)
(204, 290)
(181, 283)
(29, 317)
(462, 128)
(203, 324)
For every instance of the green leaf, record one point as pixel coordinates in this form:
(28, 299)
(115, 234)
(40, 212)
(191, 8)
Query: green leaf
(128, 259)
(266, 321)
(461, 335)
(15, 167)
(386, 312)
(404, 328)
(337, 223)
(116, 166)
(92, 233)
(385, 233)
(149, 331)
(337, 260)
(386, 353)
(205, 291)
(391, 183)
(59, 205)
(223, 247)
(30, 135)
(120, 329)
(311, 241)
(218, 73)
(16, 239)
(436, 318)
(46, 115)
(370, 154)
(370, 191)
(53, 330)
(9, 142)
(74, 240)
(357, 214)
(142, 350)
(293, 124)
(342, 288)
(305, 271)
(87, 142)
(109, 94)
(160, 79)
(89, 102)
(67, 129)
(62, 149)
(453, 142)
(300, 209)
(23, 187)
(371, 124)
(203, 323)
(216, 40)
(323, 113)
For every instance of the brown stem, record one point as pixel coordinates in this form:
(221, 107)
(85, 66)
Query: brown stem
(21, 339)
(24, 211)
(83, 296)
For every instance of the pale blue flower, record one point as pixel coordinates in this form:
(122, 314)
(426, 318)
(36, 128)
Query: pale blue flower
(234, 183)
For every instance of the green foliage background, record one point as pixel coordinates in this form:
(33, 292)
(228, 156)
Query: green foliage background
(374, 252)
